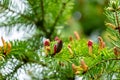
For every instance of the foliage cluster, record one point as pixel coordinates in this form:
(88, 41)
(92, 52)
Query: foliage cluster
(61, 59)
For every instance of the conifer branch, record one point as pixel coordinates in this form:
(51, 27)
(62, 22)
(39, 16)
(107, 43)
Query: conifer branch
(103, 61)
(22, 64)
(14, 71)
(18, 13)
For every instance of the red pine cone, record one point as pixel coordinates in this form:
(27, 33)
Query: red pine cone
(47, 42)
(90, 43)
(58, 46)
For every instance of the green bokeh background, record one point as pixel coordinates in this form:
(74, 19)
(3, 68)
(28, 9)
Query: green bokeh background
(87, 17)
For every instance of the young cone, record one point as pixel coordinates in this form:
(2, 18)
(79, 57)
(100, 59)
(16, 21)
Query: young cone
(111, 25)
(83, 66)
(70, 50)
(9, 46)
(101, 43)
(6, 46)
(58, 47)
(77, 35)
(46, 42)
(71, 38)
(76, 69)
(57, 38)
(90, 45)
(46, 46)
(116, 51)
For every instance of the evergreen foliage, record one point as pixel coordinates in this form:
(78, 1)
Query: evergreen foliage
(59, 59)
(46, 15)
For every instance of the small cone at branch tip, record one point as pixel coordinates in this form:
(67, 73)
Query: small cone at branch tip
(56, 38)
(69, 45)
(116, 51)
(4, 43)
(6, 46)
(58, 47)
(76, 35)
(9, 48)
(71, 38)
(47, 42)
(104, 44)
(111, 9)
(100, 39)
(101, 43)
(47, 46)
(90, 44)
(111, 25)
(77, 72)
(76, 69)
(83, 65)
(73, 66)
(70, 50)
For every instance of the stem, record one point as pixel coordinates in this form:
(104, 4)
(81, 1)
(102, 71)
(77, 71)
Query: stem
(57, 18)
(42, 8)
(40, 23)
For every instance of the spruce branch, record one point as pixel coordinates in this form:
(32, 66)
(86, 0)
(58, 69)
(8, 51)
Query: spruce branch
(103, 61)
(22, 64)
(18, 13)
(15, 70)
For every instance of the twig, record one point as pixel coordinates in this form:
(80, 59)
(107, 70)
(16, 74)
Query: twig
(42, 27)
(57, 18)
(42, 8)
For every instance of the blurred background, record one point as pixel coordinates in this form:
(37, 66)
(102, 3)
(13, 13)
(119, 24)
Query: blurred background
(88, 17)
